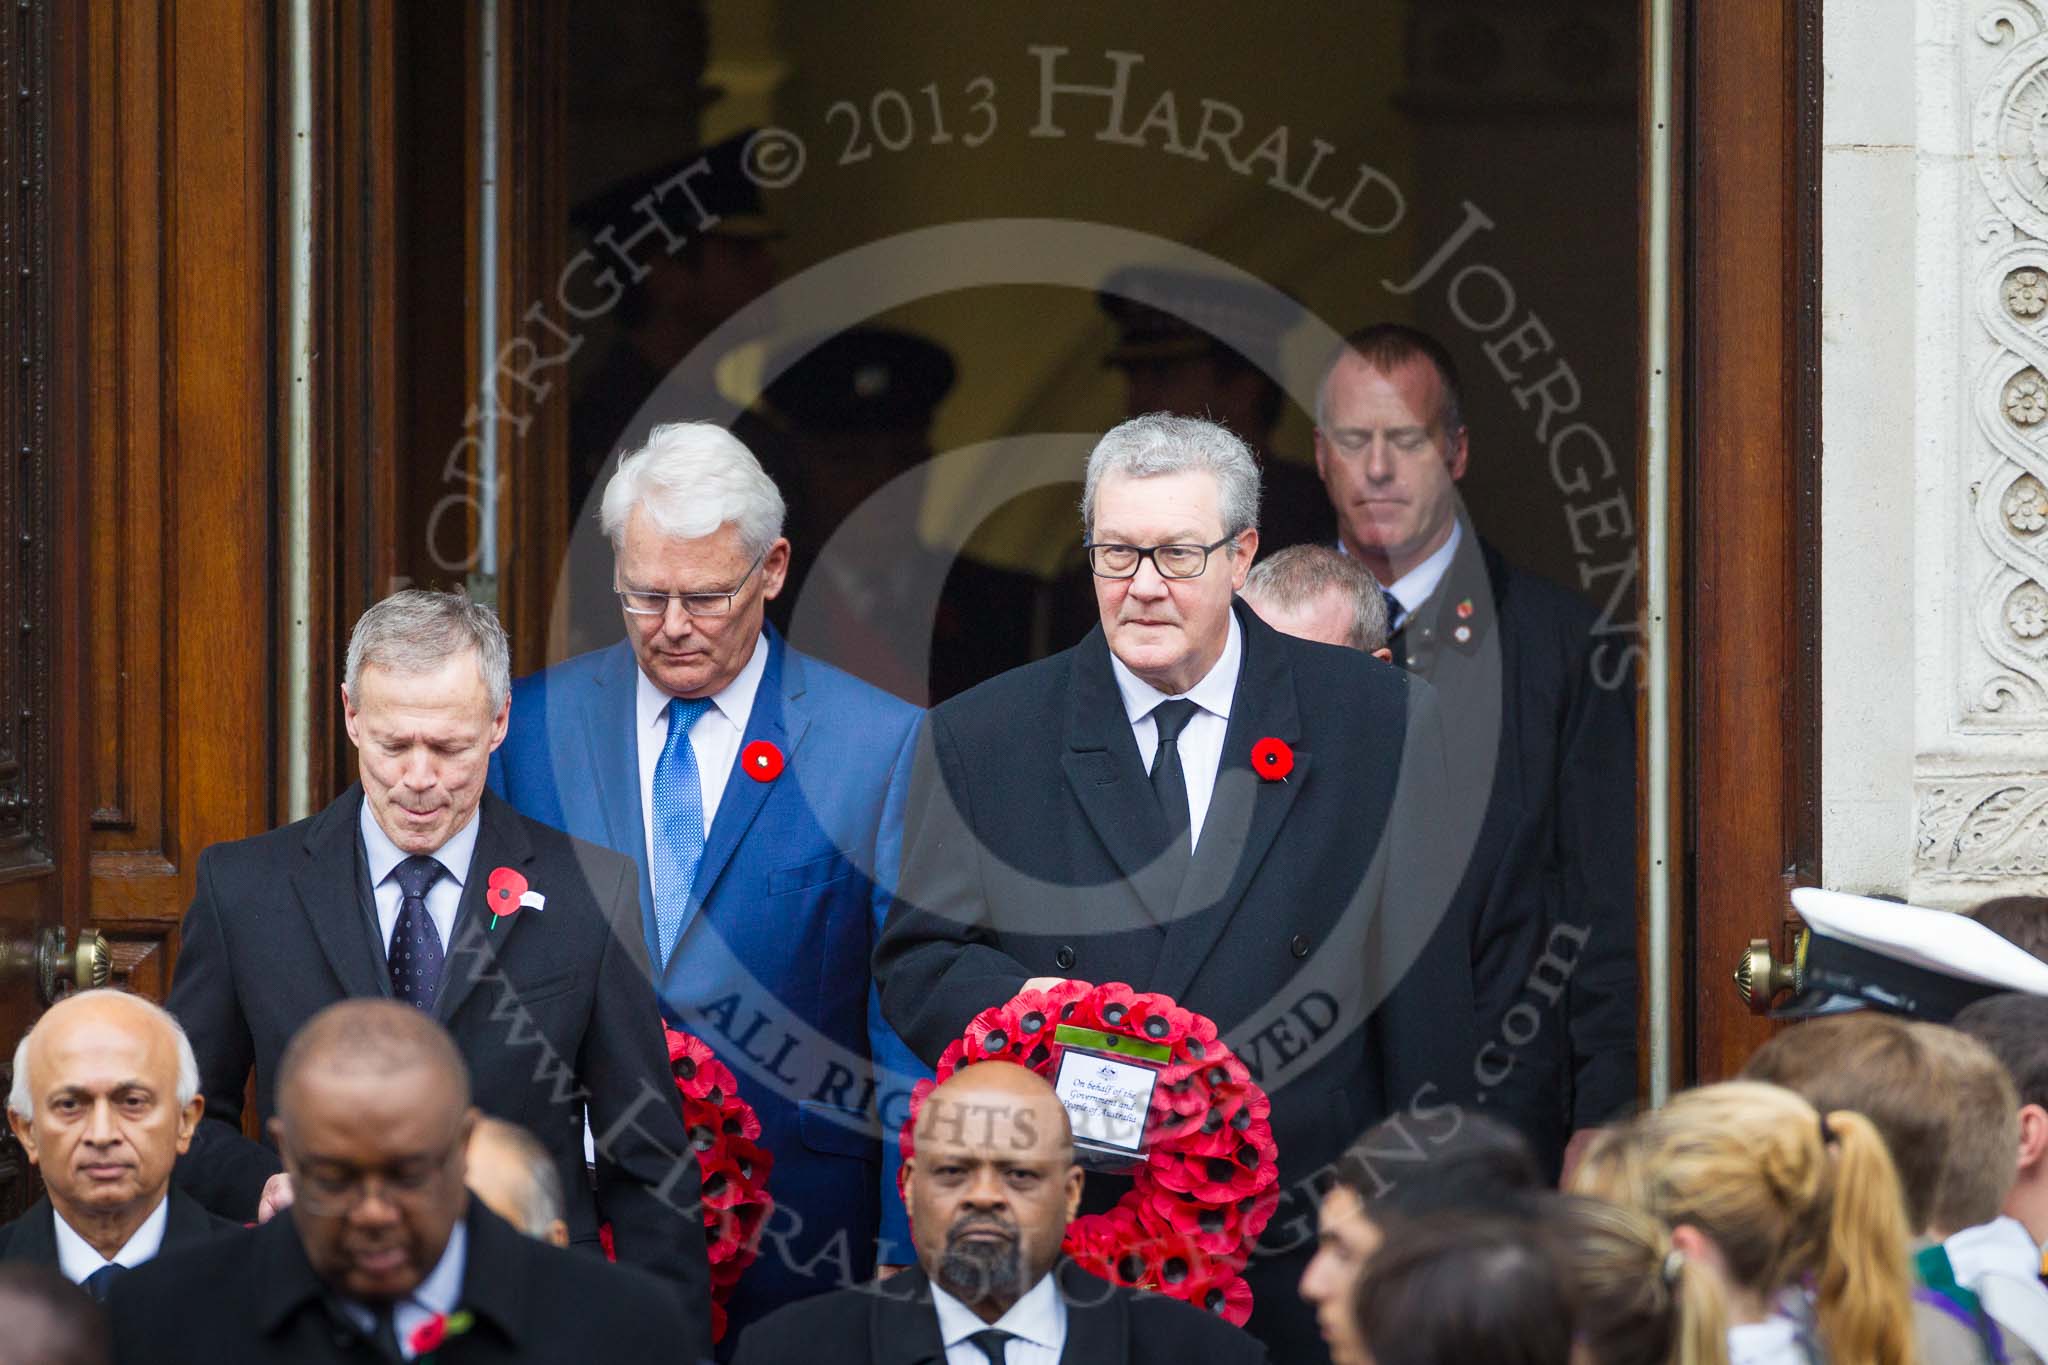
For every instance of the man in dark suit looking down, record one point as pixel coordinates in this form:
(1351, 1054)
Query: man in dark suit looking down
(417, 885)
(1098, 815)
(383, 1254)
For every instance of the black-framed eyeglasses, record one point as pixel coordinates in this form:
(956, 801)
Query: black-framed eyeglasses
(639, 602)
(1110, 560)
(331, 1189)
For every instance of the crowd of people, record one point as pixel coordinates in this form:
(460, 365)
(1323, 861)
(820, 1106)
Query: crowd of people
(1358, 807)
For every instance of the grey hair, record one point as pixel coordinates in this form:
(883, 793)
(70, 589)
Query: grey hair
(21, 1099)
(1162, 443)
(415, 631)
(542, 1203)
(1299, 574)
(692, 478)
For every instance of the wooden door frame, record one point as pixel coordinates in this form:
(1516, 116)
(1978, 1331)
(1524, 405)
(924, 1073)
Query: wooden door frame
(1746, 323)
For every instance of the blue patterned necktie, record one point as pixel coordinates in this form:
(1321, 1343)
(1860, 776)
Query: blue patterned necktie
(415, 955)
(1394, 610)
(678, 824)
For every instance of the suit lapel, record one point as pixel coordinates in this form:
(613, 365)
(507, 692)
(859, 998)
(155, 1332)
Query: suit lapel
(611, 722)
(611, 727)
(1098, 1326)
(778, 716)
(1245, 811)
(34, 1235)
(186, 1222)
(903, 1326)
(326, 885)
(474, 946)
(1107, 777)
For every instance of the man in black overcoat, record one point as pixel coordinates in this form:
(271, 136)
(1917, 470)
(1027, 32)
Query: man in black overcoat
(420, 886)
(1101, 815)
(384, 1255)
(1538, 697)
(105, 1097)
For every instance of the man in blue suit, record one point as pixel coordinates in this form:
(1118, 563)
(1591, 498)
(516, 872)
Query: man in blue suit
(761, 793)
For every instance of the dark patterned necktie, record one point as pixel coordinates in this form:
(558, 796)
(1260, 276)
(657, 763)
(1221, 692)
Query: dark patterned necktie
(100, 1283)
(1169, 778)
(1394, 610)
(992, 1342)
(416, 954)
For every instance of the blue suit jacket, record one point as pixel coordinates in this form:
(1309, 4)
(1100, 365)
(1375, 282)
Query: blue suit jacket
(772, 966)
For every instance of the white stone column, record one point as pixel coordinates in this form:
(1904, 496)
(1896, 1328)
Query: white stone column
(1934, 475)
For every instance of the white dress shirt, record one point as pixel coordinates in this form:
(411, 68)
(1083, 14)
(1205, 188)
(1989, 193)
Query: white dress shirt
(714, 739)
(1037, 1324)
(444, 897)
(77, 1259)
(1416, 586)
(1201, 743)
(439, 1294)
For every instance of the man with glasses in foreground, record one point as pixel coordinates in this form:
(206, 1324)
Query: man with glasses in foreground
(384, 1255)
(1100, 815)
(761, 793)
(419, 886)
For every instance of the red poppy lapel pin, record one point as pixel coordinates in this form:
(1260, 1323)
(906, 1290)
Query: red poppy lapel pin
(762, 761)
(507, 894)
(1272, 759)
(430, 1335)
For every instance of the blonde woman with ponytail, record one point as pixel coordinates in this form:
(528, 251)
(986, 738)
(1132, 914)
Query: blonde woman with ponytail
(1798, 1215)
(1636, 1299)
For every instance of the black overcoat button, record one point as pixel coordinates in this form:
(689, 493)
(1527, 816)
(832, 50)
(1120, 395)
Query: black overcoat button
(1064, 958)
(1298, 945)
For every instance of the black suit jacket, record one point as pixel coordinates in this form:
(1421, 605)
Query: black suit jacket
(554, 1009)
(256, 1298)
(893, 1323)
(1539, 716)
(1316, 924)
(33, 1236)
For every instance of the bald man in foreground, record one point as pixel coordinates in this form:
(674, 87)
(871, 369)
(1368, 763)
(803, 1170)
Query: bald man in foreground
(992, 1186)
(384, 1253)
(105, 1097)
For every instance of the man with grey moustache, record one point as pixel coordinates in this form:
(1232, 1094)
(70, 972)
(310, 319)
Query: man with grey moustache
(992, 1184)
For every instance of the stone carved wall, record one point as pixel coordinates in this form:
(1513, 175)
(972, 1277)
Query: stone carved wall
(1980, 773)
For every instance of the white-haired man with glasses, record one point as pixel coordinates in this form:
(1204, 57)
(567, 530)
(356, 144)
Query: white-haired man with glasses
(1193, 803)
(761, 791)
(418, 885)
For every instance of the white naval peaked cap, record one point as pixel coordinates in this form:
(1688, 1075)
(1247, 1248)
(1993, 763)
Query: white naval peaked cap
(1905, 959)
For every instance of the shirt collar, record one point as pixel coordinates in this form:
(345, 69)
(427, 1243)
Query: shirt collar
(439, 1292)
(1039, 1317)
(2002, 1246)
(453, 856)
(735, 701)
(1212, 693)
(77, 1259)
(1415, 587)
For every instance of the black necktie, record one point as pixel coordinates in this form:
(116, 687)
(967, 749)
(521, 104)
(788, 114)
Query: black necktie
(1169, 779)
(1394, 609)
(385, 1334)
(992, 1342)
(415, 956)
(100, 1283)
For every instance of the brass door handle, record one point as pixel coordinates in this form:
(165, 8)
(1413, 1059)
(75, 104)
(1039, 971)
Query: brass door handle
(1760, 978)
(88, 965)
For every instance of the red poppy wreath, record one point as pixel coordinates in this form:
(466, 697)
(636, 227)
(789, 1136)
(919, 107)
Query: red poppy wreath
(1210, 1176)
(725, 1133)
